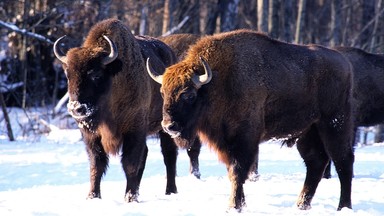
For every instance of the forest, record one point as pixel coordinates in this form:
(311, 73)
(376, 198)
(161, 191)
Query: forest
(31, 76)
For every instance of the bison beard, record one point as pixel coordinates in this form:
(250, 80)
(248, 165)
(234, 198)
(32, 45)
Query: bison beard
(242, 87)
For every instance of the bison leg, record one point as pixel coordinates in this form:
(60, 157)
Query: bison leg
(193, 153)
(327, 172)
(316, 159)
(98, 161)
(338, 143)
(239, 160)
(254, 172)
(169, 151)
(134, 156)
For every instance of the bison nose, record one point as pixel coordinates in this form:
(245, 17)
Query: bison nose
(172, 128)
(78, 110)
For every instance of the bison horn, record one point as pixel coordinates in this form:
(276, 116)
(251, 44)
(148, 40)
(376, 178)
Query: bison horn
(206, 77)
(152, 73)
(58, 53)
(113, 55)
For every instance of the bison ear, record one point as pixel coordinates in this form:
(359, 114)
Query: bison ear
(206, 77)
(153, 74)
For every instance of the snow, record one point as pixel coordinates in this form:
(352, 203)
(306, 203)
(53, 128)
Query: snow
(49, 176)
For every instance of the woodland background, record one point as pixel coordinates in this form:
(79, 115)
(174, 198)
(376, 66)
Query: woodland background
(30, 76)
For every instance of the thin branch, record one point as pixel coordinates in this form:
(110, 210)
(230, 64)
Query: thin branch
(16, 29)
(176, 28)
(354, 40)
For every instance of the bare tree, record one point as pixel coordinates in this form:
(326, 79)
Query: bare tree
(228, 15)
(264, 9)
(248, 12)
(288, 19)
(300, 20)
(274, 18)
(336, 15)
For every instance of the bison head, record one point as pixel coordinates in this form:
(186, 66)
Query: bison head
(181, 92)
(89, 71)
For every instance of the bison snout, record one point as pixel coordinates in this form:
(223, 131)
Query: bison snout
(78, 110)
(172, 128)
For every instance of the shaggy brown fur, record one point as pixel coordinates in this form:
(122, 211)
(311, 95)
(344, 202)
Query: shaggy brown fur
(117, 105)
(180, 43)
(262, 89)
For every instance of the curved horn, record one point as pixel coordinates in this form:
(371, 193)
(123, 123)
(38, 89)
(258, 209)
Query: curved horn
(58, 53)
(113, 55)
(152, 73)
(206, 77)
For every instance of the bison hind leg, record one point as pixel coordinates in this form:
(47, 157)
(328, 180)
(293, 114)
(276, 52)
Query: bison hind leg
(312, 150)
(93, 195)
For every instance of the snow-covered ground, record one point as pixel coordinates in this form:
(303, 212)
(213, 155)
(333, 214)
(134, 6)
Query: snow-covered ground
(48, 175)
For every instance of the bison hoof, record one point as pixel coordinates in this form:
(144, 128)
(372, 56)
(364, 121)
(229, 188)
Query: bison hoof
(253, 177)
(303, 206)
(129, 197)
(197, 174)
(93, 195)
(169, 192)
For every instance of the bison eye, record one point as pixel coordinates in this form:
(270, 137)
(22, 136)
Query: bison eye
(93, 75)
(188, 97)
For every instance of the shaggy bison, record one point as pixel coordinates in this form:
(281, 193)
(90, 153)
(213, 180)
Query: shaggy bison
(115, 102)
(368, 91)
(239, 88)
(180, 43)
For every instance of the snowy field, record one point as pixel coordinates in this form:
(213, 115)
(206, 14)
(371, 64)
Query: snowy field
(48, 175)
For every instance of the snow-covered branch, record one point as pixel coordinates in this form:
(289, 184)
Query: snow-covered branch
(174, 29)
(16, 29)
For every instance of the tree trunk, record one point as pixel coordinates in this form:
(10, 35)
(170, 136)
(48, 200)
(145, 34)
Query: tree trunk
(375, 26)
(6, 118)
(103, 10)
(228, 14)
(274, 20)
(288, 21)
(248, 9)
(213, 13)
(143, 20)
(368, 14)
(264, 15)
(300, 20)
(336, 22)
(168, 19)
(23, 55)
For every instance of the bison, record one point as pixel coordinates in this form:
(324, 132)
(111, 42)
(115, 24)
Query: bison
(239, 88)
(368, 92)
(115, 102)
(180, 43)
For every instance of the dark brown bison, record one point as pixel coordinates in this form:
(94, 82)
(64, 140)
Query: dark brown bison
(180, 43)
(239, 88)
(115, 102)
(368, 91)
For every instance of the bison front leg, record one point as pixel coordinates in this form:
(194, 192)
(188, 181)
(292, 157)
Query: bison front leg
(133, 159)
(254, 175)
(169, 151)
(98, 161)
(193, 153)
(239, 160)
